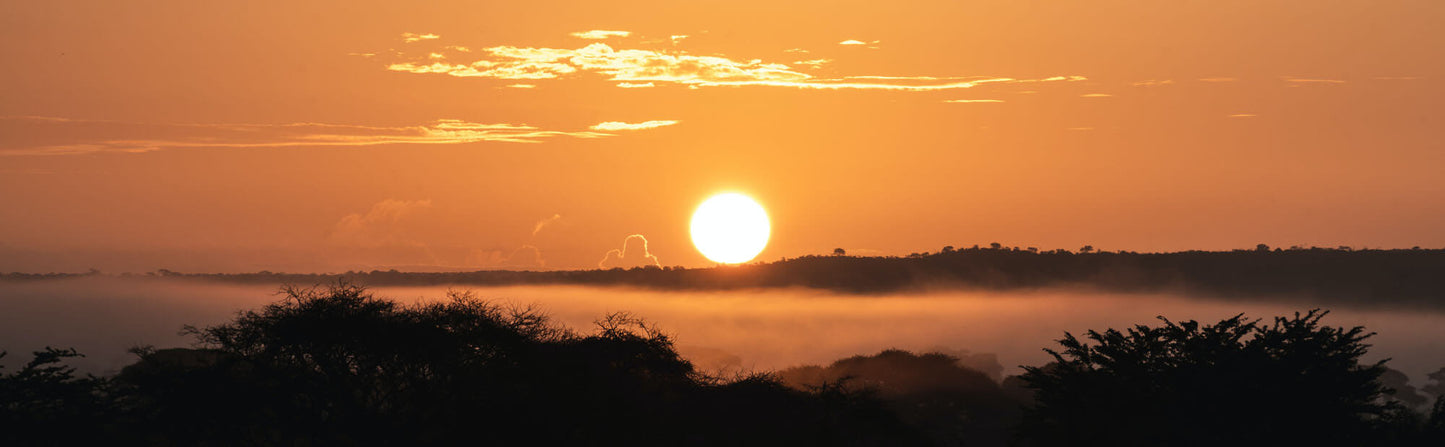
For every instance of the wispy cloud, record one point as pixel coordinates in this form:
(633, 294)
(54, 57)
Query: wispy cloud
(381, 226)
(544, 223)
(1313, 81)
(1243, 115)
(618, 125)
(813, 63)
(521, 86)
(61, 136)
(1218, 79)
(973, 101)
(414, 37)
(1152, 83)
(598, 34)
(1096, 95)
(635, 85)
(636, 66)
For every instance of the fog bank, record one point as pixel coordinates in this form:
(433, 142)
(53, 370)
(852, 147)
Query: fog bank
(757, 330)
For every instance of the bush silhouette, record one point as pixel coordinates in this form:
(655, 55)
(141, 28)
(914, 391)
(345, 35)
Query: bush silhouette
(1293, 382)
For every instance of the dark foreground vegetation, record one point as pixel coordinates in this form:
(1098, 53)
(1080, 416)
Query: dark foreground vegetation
(336, 366)
(1336, 276)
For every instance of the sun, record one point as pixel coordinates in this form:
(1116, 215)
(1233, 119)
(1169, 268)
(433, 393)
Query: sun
(730, 228)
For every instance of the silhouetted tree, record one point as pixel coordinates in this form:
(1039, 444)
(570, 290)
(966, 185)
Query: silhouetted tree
(1294, 382)
(46, 403)
(839, 252)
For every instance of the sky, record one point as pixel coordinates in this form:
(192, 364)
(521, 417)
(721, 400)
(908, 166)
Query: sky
(331, 136)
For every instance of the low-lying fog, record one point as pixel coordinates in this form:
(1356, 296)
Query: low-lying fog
(764, 330)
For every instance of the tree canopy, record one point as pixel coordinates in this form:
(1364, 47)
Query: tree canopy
(1291, 382)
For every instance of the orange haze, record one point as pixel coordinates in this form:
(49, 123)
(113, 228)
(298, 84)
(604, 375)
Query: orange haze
(327, 136)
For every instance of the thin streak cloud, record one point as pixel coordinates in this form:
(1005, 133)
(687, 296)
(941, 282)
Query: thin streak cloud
(598, 34)
(618, 125)
(414, 37)
(973, 101)
(1314, 81)
(69, 137)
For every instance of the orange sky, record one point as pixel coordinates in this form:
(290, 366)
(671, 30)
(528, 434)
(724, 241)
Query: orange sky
(310, 136)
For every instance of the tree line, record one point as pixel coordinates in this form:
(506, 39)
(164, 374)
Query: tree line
(340, 366)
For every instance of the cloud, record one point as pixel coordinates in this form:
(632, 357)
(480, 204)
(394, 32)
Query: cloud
(544, 223)
(795, 50)
(379, 227)
(1218, 79)
(632, 254)
(972, 101)
(1314, 81)
(635, 66)
(618, 125)
(414, 37)
(1152, 83)
(635, 85)
(677, 38)
(857, 42)
(521, 86)
(523, 257)
(1397, 78)
(1095, 95)
(813, 63)
(61, 136)
(598, 34)
(1243, 115)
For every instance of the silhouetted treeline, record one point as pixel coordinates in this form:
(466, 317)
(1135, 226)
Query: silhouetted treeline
(1399, 278)
(337, 366)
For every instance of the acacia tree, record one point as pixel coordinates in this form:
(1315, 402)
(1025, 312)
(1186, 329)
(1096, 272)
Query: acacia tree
(1293, 382)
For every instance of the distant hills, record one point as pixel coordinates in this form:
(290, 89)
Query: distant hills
(1395, 278)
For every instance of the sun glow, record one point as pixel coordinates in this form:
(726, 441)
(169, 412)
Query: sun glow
(730, 228)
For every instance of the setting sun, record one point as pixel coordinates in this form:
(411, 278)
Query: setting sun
(730, 228)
